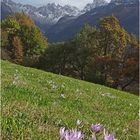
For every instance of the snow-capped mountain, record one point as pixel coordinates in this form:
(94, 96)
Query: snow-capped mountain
(48, 14)
(17, 7)
(52, 12)
(59, 23)
(94, 4)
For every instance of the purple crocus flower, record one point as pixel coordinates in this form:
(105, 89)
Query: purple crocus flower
(74, 135)
(96, 128)
(108, 136)
(62, 133)
(71, 135)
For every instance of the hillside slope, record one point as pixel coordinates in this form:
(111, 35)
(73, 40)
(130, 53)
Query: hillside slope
(35, 104)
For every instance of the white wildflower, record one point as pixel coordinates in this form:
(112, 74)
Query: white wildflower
(63, 96)
(78, 122)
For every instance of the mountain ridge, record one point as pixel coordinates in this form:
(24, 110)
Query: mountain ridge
(60, 23)
(44, 16)
(47, 15)
(127, 13)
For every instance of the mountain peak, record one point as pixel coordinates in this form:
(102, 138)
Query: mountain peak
(94, 4)
(47, 14)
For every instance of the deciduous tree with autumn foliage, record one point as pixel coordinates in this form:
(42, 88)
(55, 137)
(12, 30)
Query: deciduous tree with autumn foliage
(23, 37)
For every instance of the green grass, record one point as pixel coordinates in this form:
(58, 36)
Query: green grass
(33, 108)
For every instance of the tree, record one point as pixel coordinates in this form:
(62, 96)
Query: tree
(17, 50)
(20, 30)
(5, 54)
(9, 33)
(56, 58)
(131, 64)
(4, 38)
(73, 57)
(113, 41)
(34, 42)
(24, 19)
(85, 48)
(10, 25)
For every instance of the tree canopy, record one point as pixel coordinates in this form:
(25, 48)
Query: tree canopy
(20, 29)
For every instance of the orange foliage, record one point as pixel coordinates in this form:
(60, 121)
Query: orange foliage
(17, 49)
(24, 19)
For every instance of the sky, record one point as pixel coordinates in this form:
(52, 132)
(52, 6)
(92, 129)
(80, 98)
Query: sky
(78, 3)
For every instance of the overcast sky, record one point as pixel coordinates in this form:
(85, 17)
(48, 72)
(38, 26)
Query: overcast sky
(77, 3)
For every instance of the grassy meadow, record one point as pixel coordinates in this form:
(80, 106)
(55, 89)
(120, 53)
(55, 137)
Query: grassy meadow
(36, 104)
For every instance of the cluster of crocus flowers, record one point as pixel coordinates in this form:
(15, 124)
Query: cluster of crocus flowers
(78, 135)
(70, 134)
(97, 128)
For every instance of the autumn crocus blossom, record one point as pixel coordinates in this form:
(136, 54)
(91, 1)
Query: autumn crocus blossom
(71, 135)
(62, 133)
(96, 128)
(108, 136)
(74, 135)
